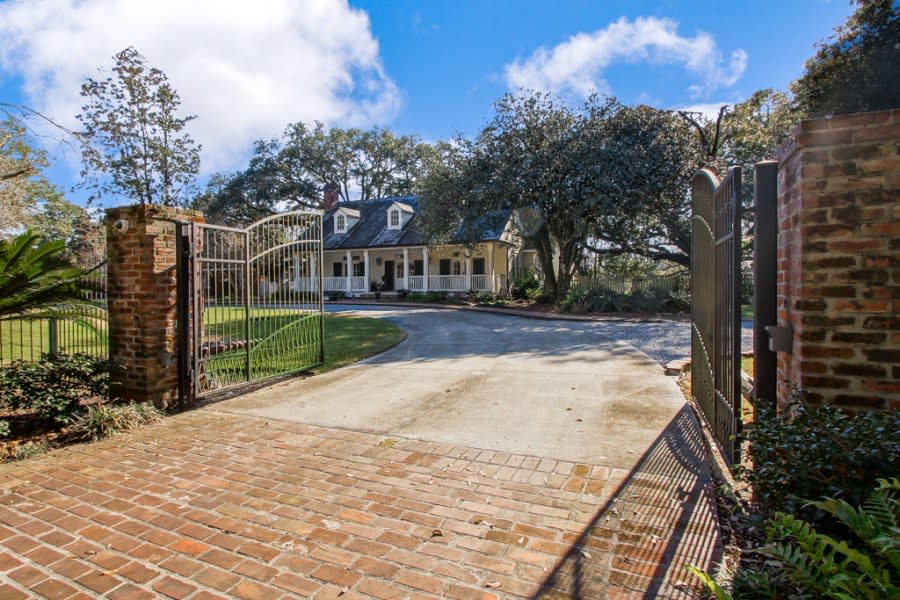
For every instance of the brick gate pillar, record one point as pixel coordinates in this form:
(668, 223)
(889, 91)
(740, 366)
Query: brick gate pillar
(839, 261)
(142, 301)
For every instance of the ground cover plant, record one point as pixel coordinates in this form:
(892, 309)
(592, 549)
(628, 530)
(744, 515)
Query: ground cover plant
(807, 516)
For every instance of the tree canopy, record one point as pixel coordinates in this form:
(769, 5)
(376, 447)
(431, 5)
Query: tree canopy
(292, 172)
(28, 199)
(22, 184)
(856, 70)
(135, 145)
(602, 177)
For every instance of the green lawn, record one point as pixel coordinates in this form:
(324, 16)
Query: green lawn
(351, 339)
(747, 365)
(26, 340)
(284, 341)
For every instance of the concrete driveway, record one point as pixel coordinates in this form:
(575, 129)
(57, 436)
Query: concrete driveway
(555, 389)
(486, 457)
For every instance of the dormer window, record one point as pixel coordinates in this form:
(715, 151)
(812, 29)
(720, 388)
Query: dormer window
(398, 215)
(345, 219)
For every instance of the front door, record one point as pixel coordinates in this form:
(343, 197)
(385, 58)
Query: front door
(388, 278)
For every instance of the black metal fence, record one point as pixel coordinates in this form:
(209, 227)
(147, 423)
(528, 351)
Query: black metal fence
(85, 333)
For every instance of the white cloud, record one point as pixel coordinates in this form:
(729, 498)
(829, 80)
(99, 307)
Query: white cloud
(708, 110)
(245, 68)
(576, 66)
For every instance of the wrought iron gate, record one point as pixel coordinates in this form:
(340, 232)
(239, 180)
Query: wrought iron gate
(256, 300)
(715, 304)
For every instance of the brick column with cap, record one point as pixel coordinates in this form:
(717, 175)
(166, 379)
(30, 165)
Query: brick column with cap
(839, 261)
(141, 284)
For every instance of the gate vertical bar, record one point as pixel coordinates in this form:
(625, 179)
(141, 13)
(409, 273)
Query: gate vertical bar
(247, 301)
(765, 277)
(194, 249)
(734, 317)
(320, 270)
(183, 308)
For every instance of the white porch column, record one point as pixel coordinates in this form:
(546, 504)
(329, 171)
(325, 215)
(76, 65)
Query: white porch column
(349, 272)
(491, 270)
(468, 272)
(406, 268)
(366, 269)
(425, 265)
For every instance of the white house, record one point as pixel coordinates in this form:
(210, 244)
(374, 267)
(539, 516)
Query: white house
(378, 241)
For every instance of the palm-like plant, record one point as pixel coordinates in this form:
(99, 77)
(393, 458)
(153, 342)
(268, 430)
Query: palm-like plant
(36, 280)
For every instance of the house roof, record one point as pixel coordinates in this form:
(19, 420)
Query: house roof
(371, 231)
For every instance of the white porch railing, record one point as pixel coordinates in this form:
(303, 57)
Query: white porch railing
(335, 284)
(447, 283)
(358, 284)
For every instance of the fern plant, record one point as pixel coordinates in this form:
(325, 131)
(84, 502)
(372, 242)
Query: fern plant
(36, 280)
(831, 568)
(820, 566)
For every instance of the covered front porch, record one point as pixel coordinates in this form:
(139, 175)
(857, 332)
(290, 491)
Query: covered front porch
(415, 269)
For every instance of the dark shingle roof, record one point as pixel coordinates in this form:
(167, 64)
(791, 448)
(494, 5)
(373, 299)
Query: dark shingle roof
(371, 231)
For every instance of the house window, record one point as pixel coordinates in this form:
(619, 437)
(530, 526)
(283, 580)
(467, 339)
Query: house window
(444, 266)
(338, 270)
(399, 270)
(359, 269)
(395, 219)
(340, 223)
(477, 266)
(418, 267)
(457, 267)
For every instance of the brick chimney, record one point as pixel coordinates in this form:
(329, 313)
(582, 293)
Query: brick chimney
(331, 195)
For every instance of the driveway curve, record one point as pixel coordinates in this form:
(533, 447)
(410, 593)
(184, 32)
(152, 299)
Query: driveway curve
(555, 389)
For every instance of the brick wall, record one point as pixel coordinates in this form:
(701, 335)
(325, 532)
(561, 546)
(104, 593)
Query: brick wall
(142, 301)
(839, 261)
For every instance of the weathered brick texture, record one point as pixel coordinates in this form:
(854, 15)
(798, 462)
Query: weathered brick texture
(839, 261)
(142, 301)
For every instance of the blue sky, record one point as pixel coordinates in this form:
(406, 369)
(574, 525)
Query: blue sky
(429, 68)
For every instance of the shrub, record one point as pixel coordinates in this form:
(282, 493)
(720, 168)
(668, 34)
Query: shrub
(402, 294)
(804, 563)
(527, 282)
(596, 300)
(820, 452)
(106, 419)
(55, 386)
(830, 568)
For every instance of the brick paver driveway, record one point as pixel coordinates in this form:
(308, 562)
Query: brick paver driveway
(220, 503)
